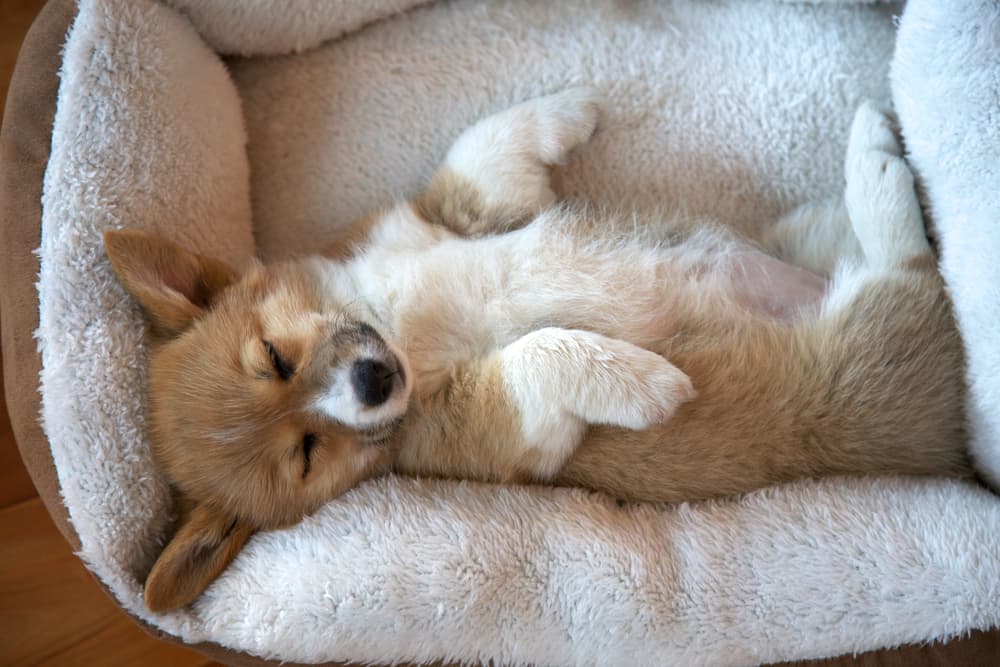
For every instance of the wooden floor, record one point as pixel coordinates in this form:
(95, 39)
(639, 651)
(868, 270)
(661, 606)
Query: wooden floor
(51, 611)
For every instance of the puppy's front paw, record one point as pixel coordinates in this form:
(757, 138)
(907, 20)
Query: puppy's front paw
(565, 121)
(635, 389)
(560, 380)
(596, 379)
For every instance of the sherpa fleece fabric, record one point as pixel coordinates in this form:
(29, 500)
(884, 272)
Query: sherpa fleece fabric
(946, 86)
(733, 109)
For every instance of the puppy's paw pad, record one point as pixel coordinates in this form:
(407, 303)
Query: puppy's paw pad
(566, 120)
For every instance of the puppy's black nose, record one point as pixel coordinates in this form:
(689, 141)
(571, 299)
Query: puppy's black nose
(372, 381)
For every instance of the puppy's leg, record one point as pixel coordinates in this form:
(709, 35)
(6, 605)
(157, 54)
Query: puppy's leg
(496, 175)
(892, 369)
(880, 197)
(560, 380)
(878, 218)
(882, 208)
(520, 412)
(815, 236)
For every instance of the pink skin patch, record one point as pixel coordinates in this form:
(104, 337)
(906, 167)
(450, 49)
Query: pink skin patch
(769, 286)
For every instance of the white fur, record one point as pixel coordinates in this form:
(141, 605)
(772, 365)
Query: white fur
(598, 379)
(148, 130)
(562, 380)
(818, 233)
(882, 211)
(506, 157)
(880, 189)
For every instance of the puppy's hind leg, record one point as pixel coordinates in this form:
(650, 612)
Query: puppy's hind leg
(496, 174)
(878, 219)
(880, 196)
(815, 236)
(883, 211)
(891, 371)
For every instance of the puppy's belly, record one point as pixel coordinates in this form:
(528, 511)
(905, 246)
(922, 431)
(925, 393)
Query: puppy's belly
(769, 286)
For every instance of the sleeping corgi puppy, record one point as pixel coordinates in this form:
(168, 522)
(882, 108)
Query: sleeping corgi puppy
(483, 331)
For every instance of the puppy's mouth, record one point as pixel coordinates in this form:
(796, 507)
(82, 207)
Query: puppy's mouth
(380, 434)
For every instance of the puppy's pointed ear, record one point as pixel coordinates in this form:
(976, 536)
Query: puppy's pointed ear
(172, 285)
(205, 543)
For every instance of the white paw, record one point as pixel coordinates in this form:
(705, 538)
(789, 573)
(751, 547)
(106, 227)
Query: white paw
(880, 196)
(597, 379)
(871, 130)
(565, 121)
(560, 380)
(631, 387)
(506, 157)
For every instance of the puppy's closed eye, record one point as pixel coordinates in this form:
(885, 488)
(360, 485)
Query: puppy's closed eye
(308, 444)
(284, 368)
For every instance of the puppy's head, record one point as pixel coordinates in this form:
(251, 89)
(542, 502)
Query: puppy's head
(267, 397)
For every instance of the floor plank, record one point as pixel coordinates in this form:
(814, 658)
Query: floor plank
(15, 484)
(53, 613)
(15, 18)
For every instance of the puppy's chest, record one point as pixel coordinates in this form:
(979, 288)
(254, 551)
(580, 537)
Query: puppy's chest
(461, 300)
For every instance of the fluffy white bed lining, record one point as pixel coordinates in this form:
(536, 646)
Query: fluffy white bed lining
(733, 109)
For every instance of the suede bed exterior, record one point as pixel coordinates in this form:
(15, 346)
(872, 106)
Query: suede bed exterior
(24, 151)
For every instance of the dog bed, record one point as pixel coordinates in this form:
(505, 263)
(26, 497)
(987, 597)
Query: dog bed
(259, 128)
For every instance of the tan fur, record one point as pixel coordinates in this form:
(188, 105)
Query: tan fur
(451, 201)
(197, 420)
(177, 578)
(577, 350)
(872, 389)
